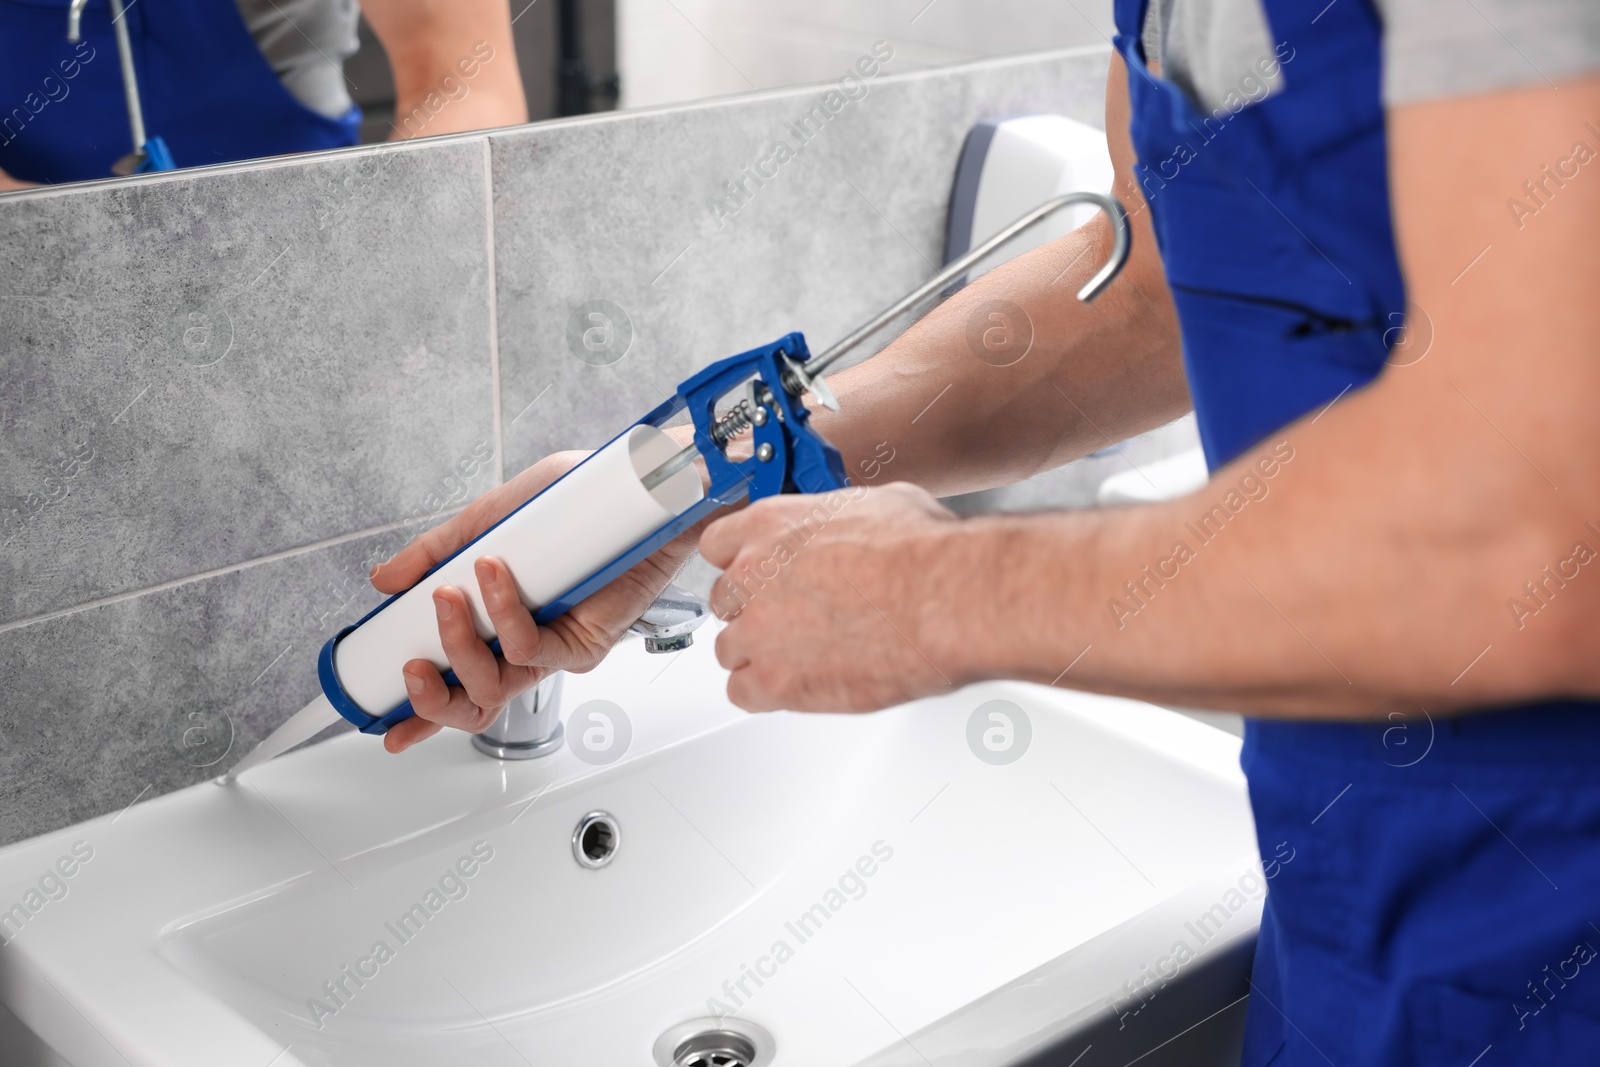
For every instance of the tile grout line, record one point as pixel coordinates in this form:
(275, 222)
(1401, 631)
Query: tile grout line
(494, 316)
(218, 572)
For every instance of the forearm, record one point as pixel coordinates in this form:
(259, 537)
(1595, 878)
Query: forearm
(1094, 374)
(1376, 562)
(960, 416)
(455, 65)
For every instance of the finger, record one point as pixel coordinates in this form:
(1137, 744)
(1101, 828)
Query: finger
(446, 705)
(722, 540)
(402, 735)
(745, 691)
(427, 550)
(580, 639)
(488, 683)
(426, 689)
(512, 622)
(736, 589)
(724, 599)
(730, 651)
(762, 526)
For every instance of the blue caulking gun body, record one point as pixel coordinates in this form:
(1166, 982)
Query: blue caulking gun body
(796, 459)
(788, 456)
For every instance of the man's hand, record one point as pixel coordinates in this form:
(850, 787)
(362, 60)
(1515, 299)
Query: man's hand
(576, 642)
(835, 599)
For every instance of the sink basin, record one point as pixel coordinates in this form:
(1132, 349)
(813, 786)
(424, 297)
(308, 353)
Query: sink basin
(834, 885)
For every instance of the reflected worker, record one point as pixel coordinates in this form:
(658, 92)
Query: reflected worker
(226, 80)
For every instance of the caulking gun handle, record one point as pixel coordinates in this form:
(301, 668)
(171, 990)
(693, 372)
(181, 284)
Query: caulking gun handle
(815, 466)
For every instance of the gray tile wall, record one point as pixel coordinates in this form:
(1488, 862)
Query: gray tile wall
(621, 209)
(226, 392)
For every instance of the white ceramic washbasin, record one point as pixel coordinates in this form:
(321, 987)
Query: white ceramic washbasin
(206, 926)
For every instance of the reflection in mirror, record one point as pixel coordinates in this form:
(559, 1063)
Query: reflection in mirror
(99, 87)
(673, 51)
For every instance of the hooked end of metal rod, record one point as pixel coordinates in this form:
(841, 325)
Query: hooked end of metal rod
(75, 20)
(1119, 252)
(958, 267)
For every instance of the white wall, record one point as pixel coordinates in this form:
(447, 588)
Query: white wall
(675, 50)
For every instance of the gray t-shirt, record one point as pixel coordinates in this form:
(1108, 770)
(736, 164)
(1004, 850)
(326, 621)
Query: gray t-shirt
(306, 43)
(1431, 48)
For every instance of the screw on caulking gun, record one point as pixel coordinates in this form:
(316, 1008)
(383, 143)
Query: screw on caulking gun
(360, 666)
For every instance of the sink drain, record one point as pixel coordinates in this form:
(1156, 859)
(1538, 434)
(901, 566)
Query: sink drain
(714, 1043)
(595, 841)
(715, 1048)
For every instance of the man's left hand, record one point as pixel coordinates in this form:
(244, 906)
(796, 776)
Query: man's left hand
(835, 600)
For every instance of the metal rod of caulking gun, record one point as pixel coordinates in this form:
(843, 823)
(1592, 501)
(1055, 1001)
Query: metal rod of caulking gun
(805, 379)
(75, 20)
(130, 83)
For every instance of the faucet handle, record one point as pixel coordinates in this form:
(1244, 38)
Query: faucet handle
(668, 625)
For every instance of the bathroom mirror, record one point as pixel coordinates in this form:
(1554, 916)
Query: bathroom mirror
(218, 81)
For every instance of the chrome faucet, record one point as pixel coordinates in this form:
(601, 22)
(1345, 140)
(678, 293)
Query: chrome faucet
(668, 625)
(530, 726)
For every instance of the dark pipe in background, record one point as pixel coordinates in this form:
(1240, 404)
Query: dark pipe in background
(567, 53)
(579, 87)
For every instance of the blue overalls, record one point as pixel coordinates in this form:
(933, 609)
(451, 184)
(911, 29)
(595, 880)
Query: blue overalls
(1443, 900)
(205, 86)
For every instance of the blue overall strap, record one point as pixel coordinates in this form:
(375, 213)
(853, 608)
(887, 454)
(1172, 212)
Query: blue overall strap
(206, 89)
(1401, 924)
(1273, 222)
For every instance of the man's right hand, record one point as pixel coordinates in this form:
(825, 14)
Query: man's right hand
(576, 642)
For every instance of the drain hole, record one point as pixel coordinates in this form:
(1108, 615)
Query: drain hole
(715, 1048)
(595, 841)
(714, 1042)
(598, 842)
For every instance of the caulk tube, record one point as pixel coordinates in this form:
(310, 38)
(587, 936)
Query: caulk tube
(572, 529)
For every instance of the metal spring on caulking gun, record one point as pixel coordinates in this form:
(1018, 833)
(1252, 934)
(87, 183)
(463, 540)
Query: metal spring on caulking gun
(734, 423)
(749, 411)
